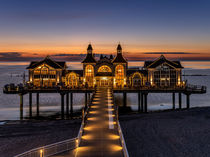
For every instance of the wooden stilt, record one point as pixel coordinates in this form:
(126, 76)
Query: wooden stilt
(124, 99)
(21, 106)
(188, 100)
(37, 104)
(67, 105)
(71, 104)
(173, 99)
(30, 105)
(62, 106)
(139, 102)
(86, 100)
(180, 100)
(145, 102)
(142, 102)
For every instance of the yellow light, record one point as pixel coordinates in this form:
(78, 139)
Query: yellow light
(86, 137)
(93, 112)
(94, 106)
(92, 118)
(115, 147)
(41, 153)
(88, 128)
(114, 122)
(114, 137)
(110, 109)
(82, 149)
(77, 143)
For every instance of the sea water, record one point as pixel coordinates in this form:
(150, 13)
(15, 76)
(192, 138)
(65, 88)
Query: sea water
(12, 72)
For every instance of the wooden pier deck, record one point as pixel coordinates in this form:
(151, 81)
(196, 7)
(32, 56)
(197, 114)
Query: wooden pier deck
(101, 137)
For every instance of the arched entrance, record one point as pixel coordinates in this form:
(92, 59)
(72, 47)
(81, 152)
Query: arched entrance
(104, 76)
(136, 80)
(72, 80)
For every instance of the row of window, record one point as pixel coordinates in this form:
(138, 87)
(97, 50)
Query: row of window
(44, 76)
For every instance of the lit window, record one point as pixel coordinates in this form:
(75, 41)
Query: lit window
(89, 71)
(119, 75)
(104, 68)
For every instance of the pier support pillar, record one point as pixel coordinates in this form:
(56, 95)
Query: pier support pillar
(139, 102)
(30, 105)
(145, 102)
(67, 105)
(180, 100)
(62, 105)
(86, 101)
(37, 104)
(124, 99)
(173, 99)
(142, 102)
(88, 97)
(21, 106)
(188, 100)
(71, 104)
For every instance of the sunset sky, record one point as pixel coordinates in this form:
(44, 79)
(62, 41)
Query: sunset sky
(145, 28)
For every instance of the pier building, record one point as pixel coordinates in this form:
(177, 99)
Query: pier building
(107, 71)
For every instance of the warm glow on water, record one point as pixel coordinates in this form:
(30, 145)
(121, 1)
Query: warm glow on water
(14, 63)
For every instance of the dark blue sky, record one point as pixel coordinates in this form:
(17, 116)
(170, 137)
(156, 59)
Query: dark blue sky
(140, 25)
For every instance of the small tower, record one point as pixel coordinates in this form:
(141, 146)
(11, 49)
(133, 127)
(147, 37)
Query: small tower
(89, 49)
(88, 67)
(89, 57)
(120, 68)
(119, 49)
(119, 57)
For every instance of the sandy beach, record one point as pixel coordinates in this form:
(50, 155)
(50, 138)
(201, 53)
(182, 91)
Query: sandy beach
(183, 133)
(17, 137)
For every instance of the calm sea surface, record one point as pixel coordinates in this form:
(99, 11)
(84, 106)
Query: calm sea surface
(11, 72)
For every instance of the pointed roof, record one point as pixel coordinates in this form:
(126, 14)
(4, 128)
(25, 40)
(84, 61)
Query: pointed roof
(89, 47)
(101, 56)
(47, 60)
(119, 59)
(89, 59)
(119, 47)
(161, 60)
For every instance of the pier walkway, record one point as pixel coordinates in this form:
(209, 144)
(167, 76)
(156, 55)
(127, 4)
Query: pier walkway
(101, 137)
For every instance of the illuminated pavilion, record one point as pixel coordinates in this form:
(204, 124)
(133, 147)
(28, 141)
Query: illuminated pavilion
(107, 71)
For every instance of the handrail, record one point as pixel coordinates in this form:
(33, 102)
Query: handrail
(84, 115)
(122, 140)
(59, 147)
(51, 149)
(125, 151)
